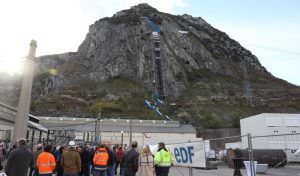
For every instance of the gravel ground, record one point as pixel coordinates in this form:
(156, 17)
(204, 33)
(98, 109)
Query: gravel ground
(289, 170)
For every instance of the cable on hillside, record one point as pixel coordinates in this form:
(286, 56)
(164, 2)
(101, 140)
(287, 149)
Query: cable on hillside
(275, 49)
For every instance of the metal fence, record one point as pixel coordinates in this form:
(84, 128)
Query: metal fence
(263, 155)
(266, 155)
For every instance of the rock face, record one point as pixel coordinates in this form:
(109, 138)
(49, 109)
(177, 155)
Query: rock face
(210, 79)
(121, 46)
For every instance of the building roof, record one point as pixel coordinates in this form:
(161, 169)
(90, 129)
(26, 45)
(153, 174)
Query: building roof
(136, 129)
(116, 125)
(8, 113)
(273, 115)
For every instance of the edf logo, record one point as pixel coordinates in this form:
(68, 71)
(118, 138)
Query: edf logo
(184, 154)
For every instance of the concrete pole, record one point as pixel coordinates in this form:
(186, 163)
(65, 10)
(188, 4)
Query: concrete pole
(251, 159)
(122, 132)
(130, 133)
(97, 130)
(22, 115)
(100, 124)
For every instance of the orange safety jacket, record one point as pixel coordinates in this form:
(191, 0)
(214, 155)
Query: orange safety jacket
(101, 157)
(45, 163)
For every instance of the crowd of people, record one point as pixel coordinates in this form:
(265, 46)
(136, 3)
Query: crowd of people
(83, 160)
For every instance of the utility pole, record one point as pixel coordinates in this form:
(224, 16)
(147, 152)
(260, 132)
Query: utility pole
(97, 129)
(122, 132)
(22, 118)
(130, 133)
(95, 136)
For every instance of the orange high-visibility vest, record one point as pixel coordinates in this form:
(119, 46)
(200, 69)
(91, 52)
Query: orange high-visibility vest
(101, 157)
(45, 163)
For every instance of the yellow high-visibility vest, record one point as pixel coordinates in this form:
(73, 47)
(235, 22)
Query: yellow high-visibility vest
(163, 158)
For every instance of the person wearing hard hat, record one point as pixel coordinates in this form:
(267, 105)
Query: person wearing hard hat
(71, 161)
(162, 160)
(46, 162)
(100, 160)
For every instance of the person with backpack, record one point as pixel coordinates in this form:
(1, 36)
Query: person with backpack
(146, 162)
(46, 162)
(100, 161)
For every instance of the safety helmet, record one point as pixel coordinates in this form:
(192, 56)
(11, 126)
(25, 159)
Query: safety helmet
(72, 144)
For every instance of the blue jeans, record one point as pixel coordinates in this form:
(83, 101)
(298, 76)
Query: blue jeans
(122, 172)
(111, 170)
(70, 174)
(99, 173)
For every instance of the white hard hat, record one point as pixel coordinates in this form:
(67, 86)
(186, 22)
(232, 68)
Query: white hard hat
(72, 144)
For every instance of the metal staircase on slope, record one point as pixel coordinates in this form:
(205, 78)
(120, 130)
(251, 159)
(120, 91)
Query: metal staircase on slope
(157, 59)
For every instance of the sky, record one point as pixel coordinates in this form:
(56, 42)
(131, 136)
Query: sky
(268, 28)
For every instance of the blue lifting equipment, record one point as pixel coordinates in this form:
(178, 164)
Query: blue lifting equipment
(153, 26)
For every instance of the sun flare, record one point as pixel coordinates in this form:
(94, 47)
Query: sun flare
(11, 66)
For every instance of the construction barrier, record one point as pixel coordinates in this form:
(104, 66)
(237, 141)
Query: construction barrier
(188, 154)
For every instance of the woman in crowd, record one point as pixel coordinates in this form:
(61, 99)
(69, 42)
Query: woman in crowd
(146, 167)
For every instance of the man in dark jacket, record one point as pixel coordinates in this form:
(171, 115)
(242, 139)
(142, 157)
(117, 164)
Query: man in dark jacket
(39, 150)
(85, 161)
(111, 164)
(11, 149)
(131, 160)
(2, 153)
(59, 168)
(19, 160)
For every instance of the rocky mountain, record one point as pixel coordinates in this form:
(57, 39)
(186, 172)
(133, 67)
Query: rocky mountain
(209, 79)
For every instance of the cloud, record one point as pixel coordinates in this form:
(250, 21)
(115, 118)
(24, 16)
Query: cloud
(58, 25)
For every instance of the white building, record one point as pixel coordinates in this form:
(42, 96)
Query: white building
(272, 131)
(116, 131)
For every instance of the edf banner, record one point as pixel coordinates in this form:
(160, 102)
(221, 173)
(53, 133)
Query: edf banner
(188, 154)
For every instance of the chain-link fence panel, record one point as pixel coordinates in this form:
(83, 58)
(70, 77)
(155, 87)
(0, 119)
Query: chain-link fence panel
(277, 154)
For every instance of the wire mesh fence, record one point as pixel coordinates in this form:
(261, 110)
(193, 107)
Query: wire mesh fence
(277, 154)
(267, 155)
(246, 155)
